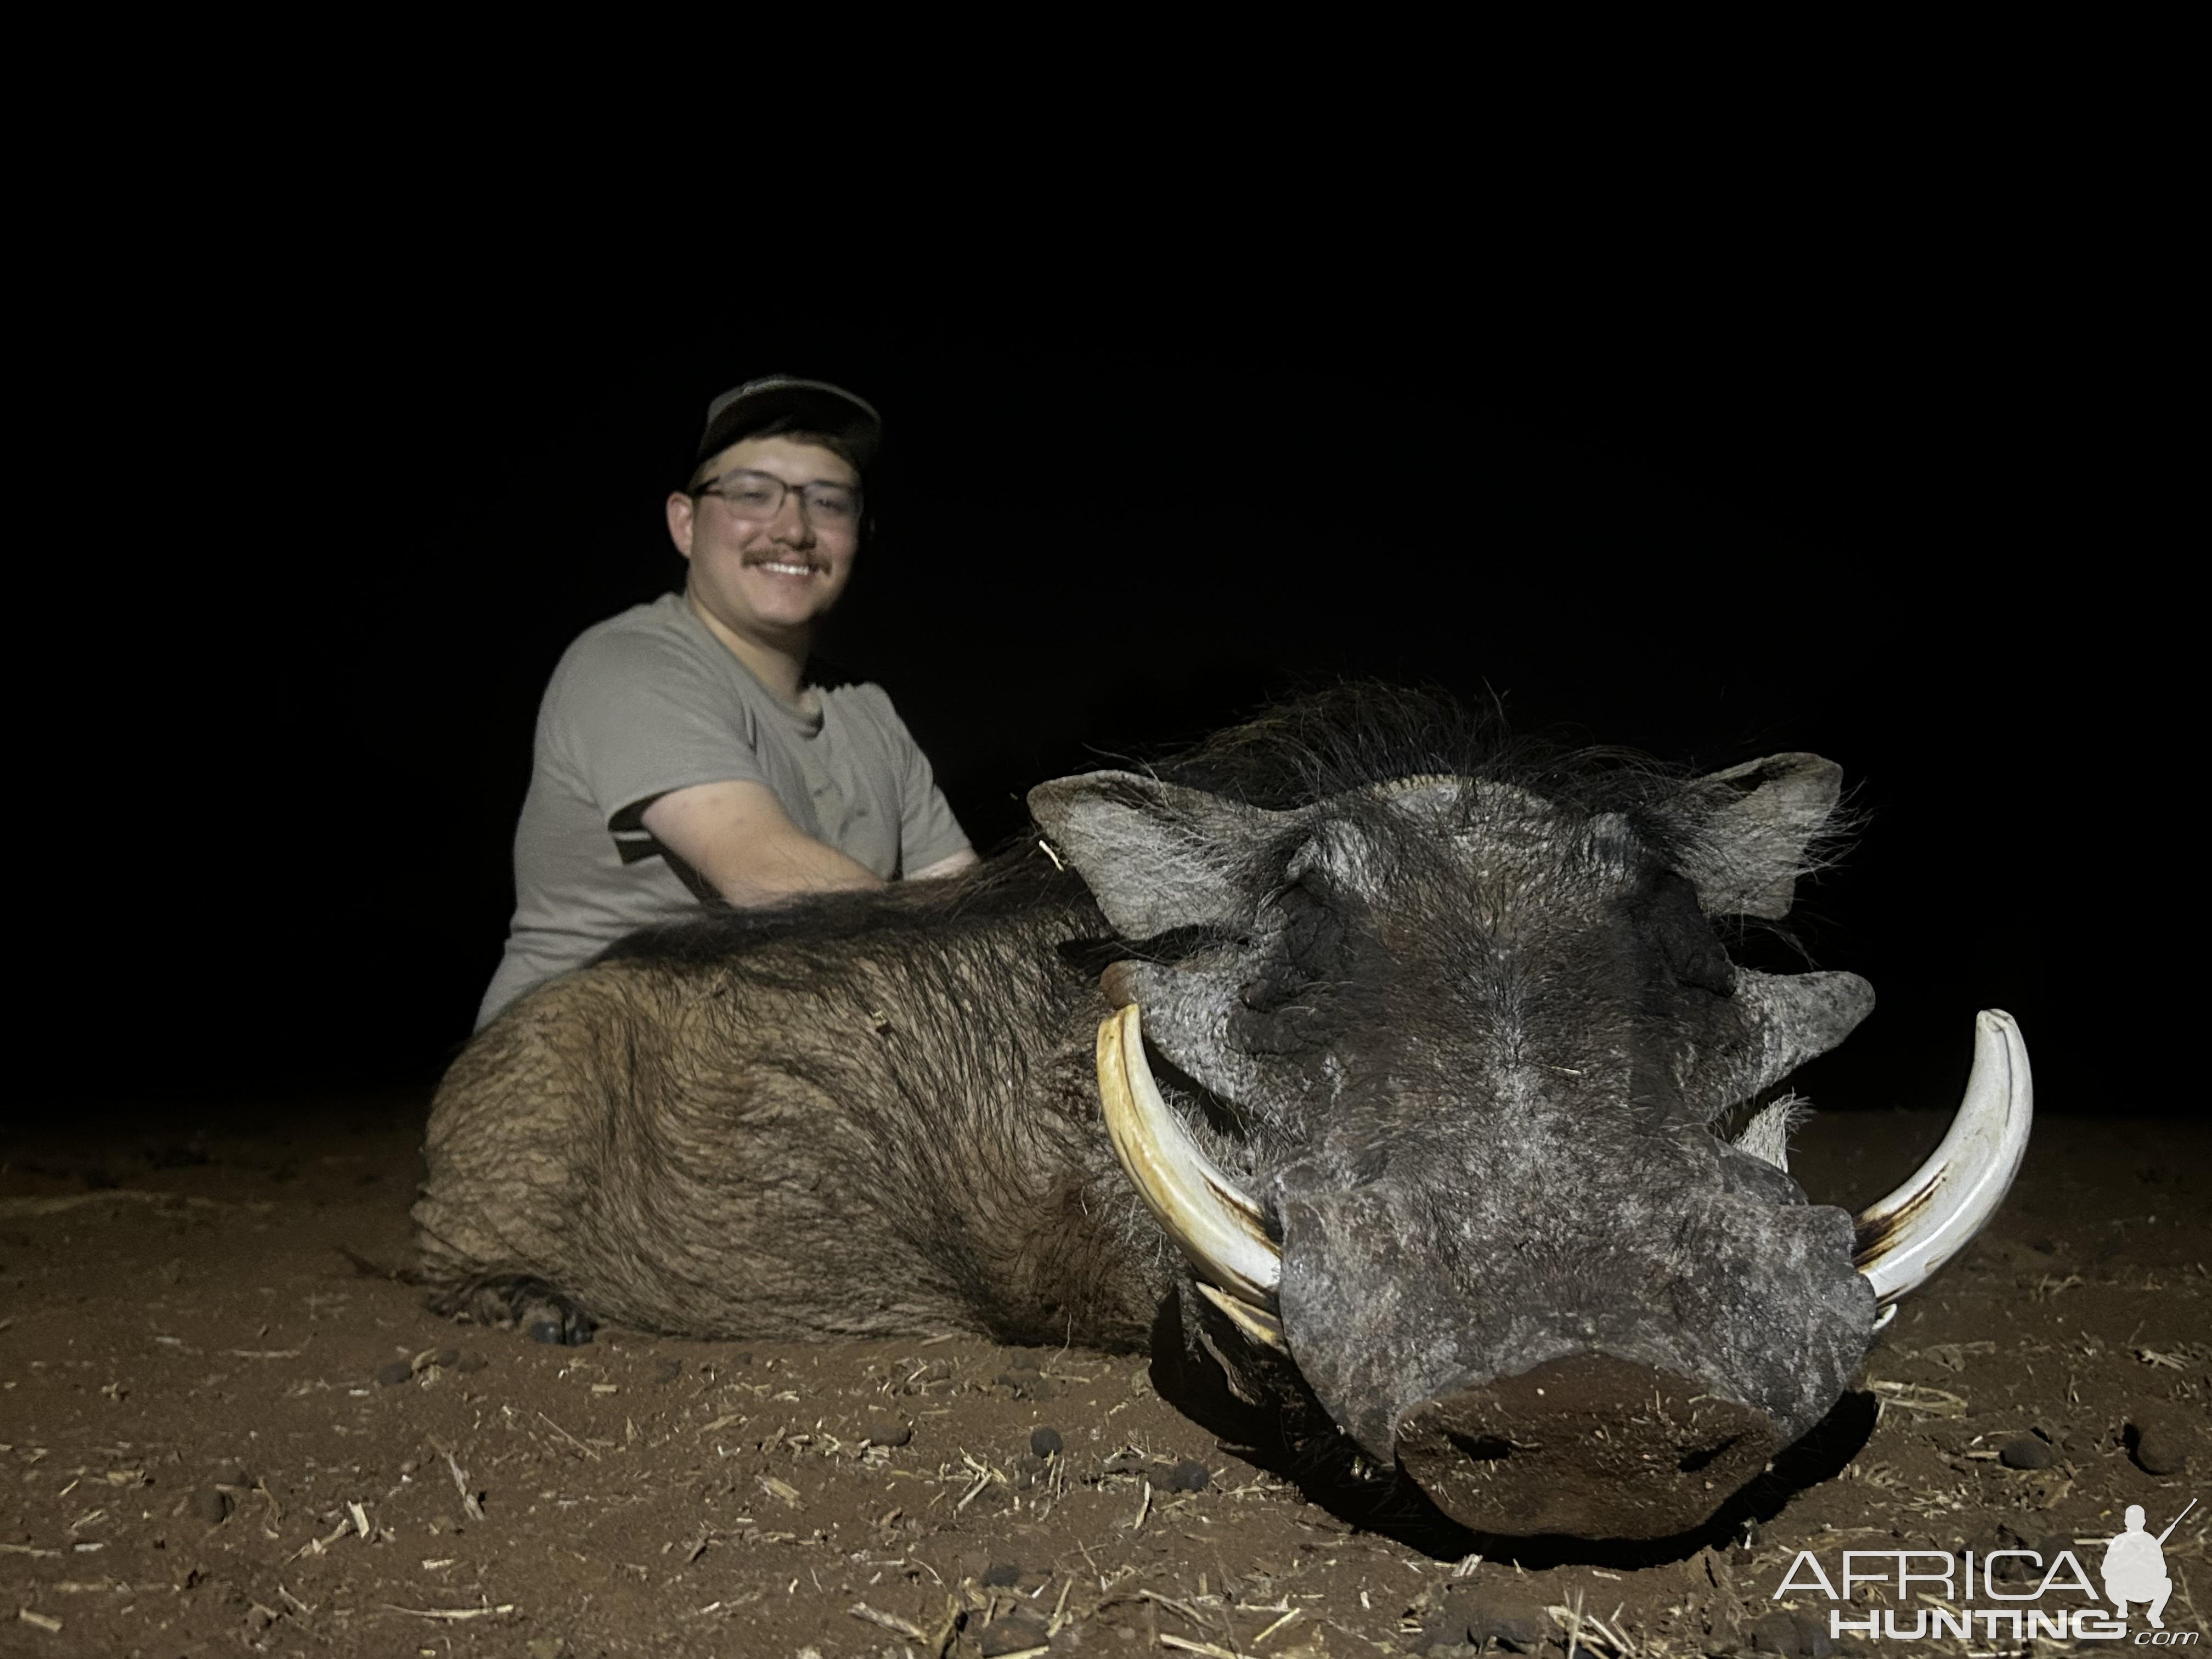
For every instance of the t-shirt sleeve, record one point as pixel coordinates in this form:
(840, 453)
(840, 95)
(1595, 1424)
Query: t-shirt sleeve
(633, 717)
(927, 830)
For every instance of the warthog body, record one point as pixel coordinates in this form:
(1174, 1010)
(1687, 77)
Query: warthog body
(1459, 1024)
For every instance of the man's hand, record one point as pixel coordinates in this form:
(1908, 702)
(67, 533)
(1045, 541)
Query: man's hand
(738, 837)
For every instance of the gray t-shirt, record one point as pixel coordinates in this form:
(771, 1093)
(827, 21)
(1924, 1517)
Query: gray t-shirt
(649, 701)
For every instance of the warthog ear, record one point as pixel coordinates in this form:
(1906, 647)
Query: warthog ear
(1155, 855)
(1763, 818)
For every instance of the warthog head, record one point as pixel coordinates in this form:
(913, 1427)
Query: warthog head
(1421, 1075)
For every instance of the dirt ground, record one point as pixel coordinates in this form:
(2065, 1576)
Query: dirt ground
(221, 1433)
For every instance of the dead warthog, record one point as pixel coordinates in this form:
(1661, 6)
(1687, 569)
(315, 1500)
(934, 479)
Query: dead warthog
(1395, 1055)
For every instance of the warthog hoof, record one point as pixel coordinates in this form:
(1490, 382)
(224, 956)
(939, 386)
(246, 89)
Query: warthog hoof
(569, 1330)
(519, 1301)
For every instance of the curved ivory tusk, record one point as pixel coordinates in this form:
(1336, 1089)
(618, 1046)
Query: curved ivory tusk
(1255, 1323)
(1931, 1217)
(1217, 1224)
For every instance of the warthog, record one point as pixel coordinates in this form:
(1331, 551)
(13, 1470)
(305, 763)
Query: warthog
(1393, 1054)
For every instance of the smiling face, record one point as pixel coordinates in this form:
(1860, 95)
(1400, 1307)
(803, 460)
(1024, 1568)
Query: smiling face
(766, 579)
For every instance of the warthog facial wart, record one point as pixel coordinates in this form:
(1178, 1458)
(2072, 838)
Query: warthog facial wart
(1378, 1061)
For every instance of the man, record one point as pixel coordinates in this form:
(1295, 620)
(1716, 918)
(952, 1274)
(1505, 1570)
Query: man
(681, 758)
(2134, 1568)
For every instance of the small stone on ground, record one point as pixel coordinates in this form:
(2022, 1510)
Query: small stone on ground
(2026, 1451)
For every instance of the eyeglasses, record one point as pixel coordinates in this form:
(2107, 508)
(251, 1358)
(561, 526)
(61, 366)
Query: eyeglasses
(752, 495)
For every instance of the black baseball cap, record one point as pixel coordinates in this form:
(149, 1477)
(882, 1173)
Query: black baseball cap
(819, 405)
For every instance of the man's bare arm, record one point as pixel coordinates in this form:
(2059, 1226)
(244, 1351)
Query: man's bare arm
(739, 836)
(965, 859)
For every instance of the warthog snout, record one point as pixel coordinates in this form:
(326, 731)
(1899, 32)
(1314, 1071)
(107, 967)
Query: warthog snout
(1589, 1445)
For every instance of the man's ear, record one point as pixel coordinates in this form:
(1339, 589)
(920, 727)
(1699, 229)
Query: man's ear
(682, 509)
(1155, 855)
(1764, 820)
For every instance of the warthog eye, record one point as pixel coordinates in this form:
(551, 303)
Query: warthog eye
(1315, 938)
(1666, 914)
(1278, 1015)
(1313, 947)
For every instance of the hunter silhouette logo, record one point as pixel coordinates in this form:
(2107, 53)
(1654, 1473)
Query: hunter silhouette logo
(2135, 1565)
(1947, 1588)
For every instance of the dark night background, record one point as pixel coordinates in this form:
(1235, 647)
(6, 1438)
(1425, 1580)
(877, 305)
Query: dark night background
(283, 723)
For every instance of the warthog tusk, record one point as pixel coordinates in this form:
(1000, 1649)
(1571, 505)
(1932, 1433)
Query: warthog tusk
(1257, 1324)
(1218, 1225)
(1931, 1217)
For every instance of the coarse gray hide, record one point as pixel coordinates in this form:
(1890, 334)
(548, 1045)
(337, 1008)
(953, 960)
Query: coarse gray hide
(1468, 1046)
